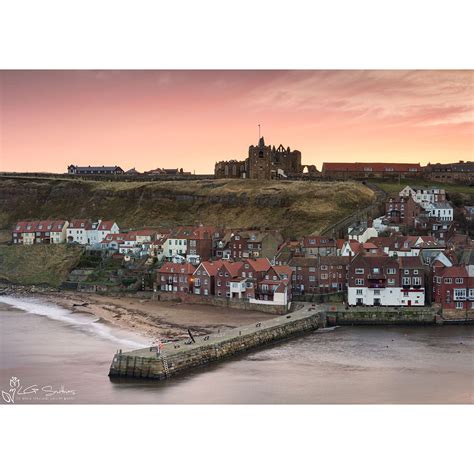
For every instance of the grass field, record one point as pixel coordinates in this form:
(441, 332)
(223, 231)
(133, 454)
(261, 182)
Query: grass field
(37, 264)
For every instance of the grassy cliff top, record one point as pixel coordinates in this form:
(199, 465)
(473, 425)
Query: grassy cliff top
(294, 207)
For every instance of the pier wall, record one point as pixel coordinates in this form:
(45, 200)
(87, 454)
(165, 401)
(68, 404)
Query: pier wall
(223, 302)
(380, 315)
(139, 364)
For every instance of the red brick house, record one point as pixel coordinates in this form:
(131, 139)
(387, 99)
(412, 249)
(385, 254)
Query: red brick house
(239, 245)
(204, 278)
(453, 287)
(370, 170)
(275, 286)
(226, 272)
(201, 242)
(315, 245)
(319, 275)
(176, 277)
(402, 210)
(332, 273)
(304, 275)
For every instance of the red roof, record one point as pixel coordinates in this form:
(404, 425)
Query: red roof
(456, 271)
(259, 264)
(106, 225)
(283, 269)
(181, 268)
(39, 226)
(368, 167)
(80, 224)
(233, 267)
(211, 267)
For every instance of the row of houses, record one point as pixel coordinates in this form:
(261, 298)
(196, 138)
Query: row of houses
(441, 172)
(370, 278)
(58, 231)
(117, 170)
(393, 270)
(253, 279)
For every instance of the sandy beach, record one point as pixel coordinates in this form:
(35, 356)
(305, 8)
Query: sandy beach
(155, 319)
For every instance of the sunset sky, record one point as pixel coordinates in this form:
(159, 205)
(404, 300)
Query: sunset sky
(191, 119)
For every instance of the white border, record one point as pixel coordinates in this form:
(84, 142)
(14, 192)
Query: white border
(263, 34)
(247, 34)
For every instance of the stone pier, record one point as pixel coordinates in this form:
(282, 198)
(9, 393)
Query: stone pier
(179, 357)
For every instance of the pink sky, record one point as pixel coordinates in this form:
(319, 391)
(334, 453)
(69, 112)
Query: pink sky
(191, 119)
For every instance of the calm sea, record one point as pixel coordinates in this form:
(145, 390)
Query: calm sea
(63, 357)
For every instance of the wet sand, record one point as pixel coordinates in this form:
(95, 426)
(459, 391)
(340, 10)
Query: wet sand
(155, 319)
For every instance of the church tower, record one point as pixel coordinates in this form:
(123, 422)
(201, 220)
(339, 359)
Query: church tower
(260, 160)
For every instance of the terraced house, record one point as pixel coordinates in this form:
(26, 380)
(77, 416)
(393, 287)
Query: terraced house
(453, 287)
(314, 275)
(315, 245)
(86, 232)
(176, 278)
(204, 278)
(242, 244)
(380, 280)
(40, 232)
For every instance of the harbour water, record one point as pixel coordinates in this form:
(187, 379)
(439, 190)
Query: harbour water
(50, 355)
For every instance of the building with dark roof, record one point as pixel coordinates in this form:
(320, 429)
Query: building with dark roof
(97, 170)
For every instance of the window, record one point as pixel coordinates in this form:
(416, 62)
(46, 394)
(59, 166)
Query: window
(415, 272)
(448, 280)
(459, 293)
(406, 281)
(359, 271)
(359, 281)
(312, 278)
(391, 271)
(324, 276)
(358, 292)
(416, 280)
(324, 267)
(459, 281)
(312, 269)
(406, 272)
(459, 305)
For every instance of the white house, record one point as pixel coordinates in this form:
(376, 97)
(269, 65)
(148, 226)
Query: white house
(58, 232)
(85, 232)
(105, 228)
(424, 196)
(79, 231)
(175, 246)
(441, 211)
(380, 280)
(361, 232)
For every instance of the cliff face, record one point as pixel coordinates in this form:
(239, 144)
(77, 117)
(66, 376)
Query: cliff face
(294, 207)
